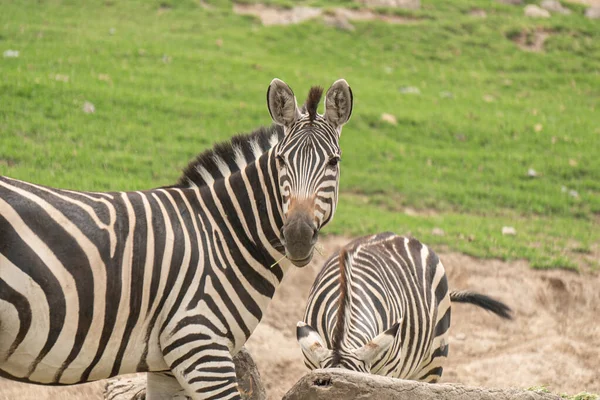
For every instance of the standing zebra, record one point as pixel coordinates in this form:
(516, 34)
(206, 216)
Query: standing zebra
(382, 306)
(93, 285)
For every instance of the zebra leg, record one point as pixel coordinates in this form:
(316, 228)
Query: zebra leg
(205, 370)
(164, 386)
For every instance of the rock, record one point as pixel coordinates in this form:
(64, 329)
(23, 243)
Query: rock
(555, 7)
(573, 193)
(339, 22)
(538, 127)
(88, 108)
(409, 90)
(477, 12)
(437, 232)
(410, 4)
(509, 231)
(133, 387)
(511, 2)
(11, 54)
(389, 118)
(460, 336)
(533, 11)
(446, 95)
(532, 173)
(593, 12)
(338, 384)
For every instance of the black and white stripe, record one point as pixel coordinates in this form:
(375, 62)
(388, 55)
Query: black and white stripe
(175, 279)
(382, 305)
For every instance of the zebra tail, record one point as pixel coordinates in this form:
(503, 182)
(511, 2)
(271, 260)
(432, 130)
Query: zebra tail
(483, 301)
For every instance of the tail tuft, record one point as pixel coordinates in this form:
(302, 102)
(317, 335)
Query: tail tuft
(483, 301)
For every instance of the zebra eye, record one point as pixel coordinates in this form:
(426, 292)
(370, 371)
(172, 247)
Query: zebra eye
(333, 161)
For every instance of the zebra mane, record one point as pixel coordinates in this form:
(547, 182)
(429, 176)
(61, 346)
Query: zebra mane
(344, 301)
(226, 158)
(312, 102)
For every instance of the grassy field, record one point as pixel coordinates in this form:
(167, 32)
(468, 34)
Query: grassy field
(169, 78)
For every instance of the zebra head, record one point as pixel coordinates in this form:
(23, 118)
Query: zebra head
(307, 162)
(317, 355)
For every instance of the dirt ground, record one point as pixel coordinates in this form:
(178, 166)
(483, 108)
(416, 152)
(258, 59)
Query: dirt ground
(554, 339)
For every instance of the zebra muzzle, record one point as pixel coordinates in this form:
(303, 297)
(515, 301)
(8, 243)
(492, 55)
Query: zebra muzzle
(299, 236)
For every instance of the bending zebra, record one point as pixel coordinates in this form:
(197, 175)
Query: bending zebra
(382, 306)
(93, 285)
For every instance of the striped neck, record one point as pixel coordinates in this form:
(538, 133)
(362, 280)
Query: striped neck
(252, 202)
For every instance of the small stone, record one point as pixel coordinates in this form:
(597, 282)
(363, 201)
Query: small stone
(574, 194)
(593, 12)
(219, 42)
(446, 95)
(61, 78)
(533, 11)
(554, 6)
(112, 31)
(532, 173)
(104, 77)
(389, 118)
(340, 22)
(460, 336)
(460, 137)
(11, 54)
(408, 4)
(88, 108)
(573, 163)
(388, 69)
(511, 2)
(538, 127)
(488, 98)
(166, 59)
(563, 189)
(410, 90)
(509, 230)
(477, 12)
(437, 232)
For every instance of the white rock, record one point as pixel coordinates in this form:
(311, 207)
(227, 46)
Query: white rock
(11, 54)
(554, 6)
(532, 173)
(509, 230)
(593, 12)
(389, 118)
(573, 193)
(410, 4)
(410, 90)
(88, 108)
(460, 336)
(438, 232)
(533, 11)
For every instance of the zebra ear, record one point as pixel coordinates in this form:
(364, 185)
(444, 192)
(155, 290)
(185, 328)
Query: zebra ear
(282, 103)
(311, 343)
(338, 103)
(378, 345)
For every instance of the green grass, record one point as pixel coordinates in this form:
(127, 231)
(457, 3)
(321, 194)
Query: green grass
(169, 78)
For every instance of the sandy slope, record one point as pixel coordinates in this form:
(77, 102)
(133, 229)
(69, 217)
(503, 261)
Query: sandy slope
(554, 339)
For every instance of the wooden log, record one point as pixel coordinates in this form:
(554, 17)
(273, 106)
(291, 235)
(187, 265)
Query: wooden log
(133, 387)
(339, 384)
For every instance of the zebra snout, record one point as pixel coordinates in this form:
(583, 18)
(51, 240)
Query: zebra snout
(299, 236)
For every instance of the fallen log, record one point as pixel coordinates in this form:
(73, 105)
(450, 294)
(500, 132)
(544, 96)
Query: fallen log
(133, 387)
(339, 384)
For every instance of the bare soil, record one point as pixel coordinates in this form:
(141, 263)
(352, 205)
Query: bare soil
(554, 339)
